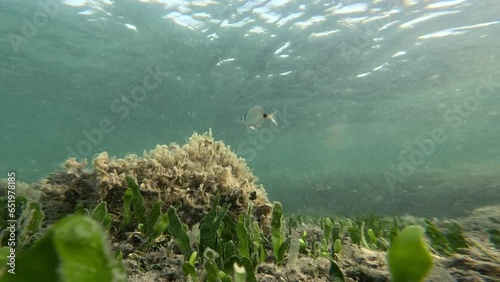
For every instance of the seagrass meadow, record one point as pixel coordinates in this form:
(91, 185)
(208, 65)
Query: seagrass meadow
(195, 213)
(249, 140)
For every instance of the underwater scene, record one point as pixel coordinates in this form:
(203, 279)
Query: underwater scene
(250, 140)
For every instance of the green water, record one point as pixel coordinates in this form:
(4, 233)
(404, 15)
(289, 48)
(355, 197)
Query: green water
(353, 106)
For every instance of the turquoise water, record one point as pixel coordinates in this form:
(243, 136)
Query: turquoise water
(383, 106)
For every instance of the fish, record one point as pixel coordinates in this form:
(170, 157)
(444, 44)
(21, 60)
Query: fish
(256, 116)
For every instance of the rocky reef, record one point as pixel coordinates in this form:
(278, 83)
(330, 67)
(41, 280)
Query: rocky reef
(187, 176)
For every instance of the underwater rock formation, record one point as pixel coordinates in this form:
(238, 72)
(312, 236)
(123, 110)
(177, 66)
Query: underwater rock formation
(189, 176)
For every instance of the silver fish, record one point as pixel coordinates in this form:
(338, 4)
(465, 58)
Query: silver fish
(256, 115)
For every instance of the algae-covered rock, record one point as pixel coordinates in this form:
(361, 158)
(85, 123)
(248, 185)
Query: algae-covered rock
(190, 175)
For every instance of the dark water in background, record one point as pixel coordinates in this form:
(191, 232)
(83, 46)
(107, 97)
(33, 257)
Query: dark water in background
(384, 106)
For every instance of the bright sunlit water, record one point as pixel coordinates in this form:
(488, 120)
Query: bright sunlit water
(383, 106)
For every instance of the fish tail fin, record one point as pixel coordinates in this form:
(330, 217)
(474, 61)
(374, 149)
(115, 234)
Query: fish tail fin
(272, 117)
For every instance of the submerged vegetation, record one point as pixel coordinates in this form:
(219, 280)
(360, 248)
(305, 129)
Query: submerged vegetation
(194, 213)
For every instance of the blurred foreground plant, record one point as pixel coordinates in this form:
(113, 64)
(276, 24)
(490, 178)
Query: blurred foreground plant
(74, 249)
(409, 257)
